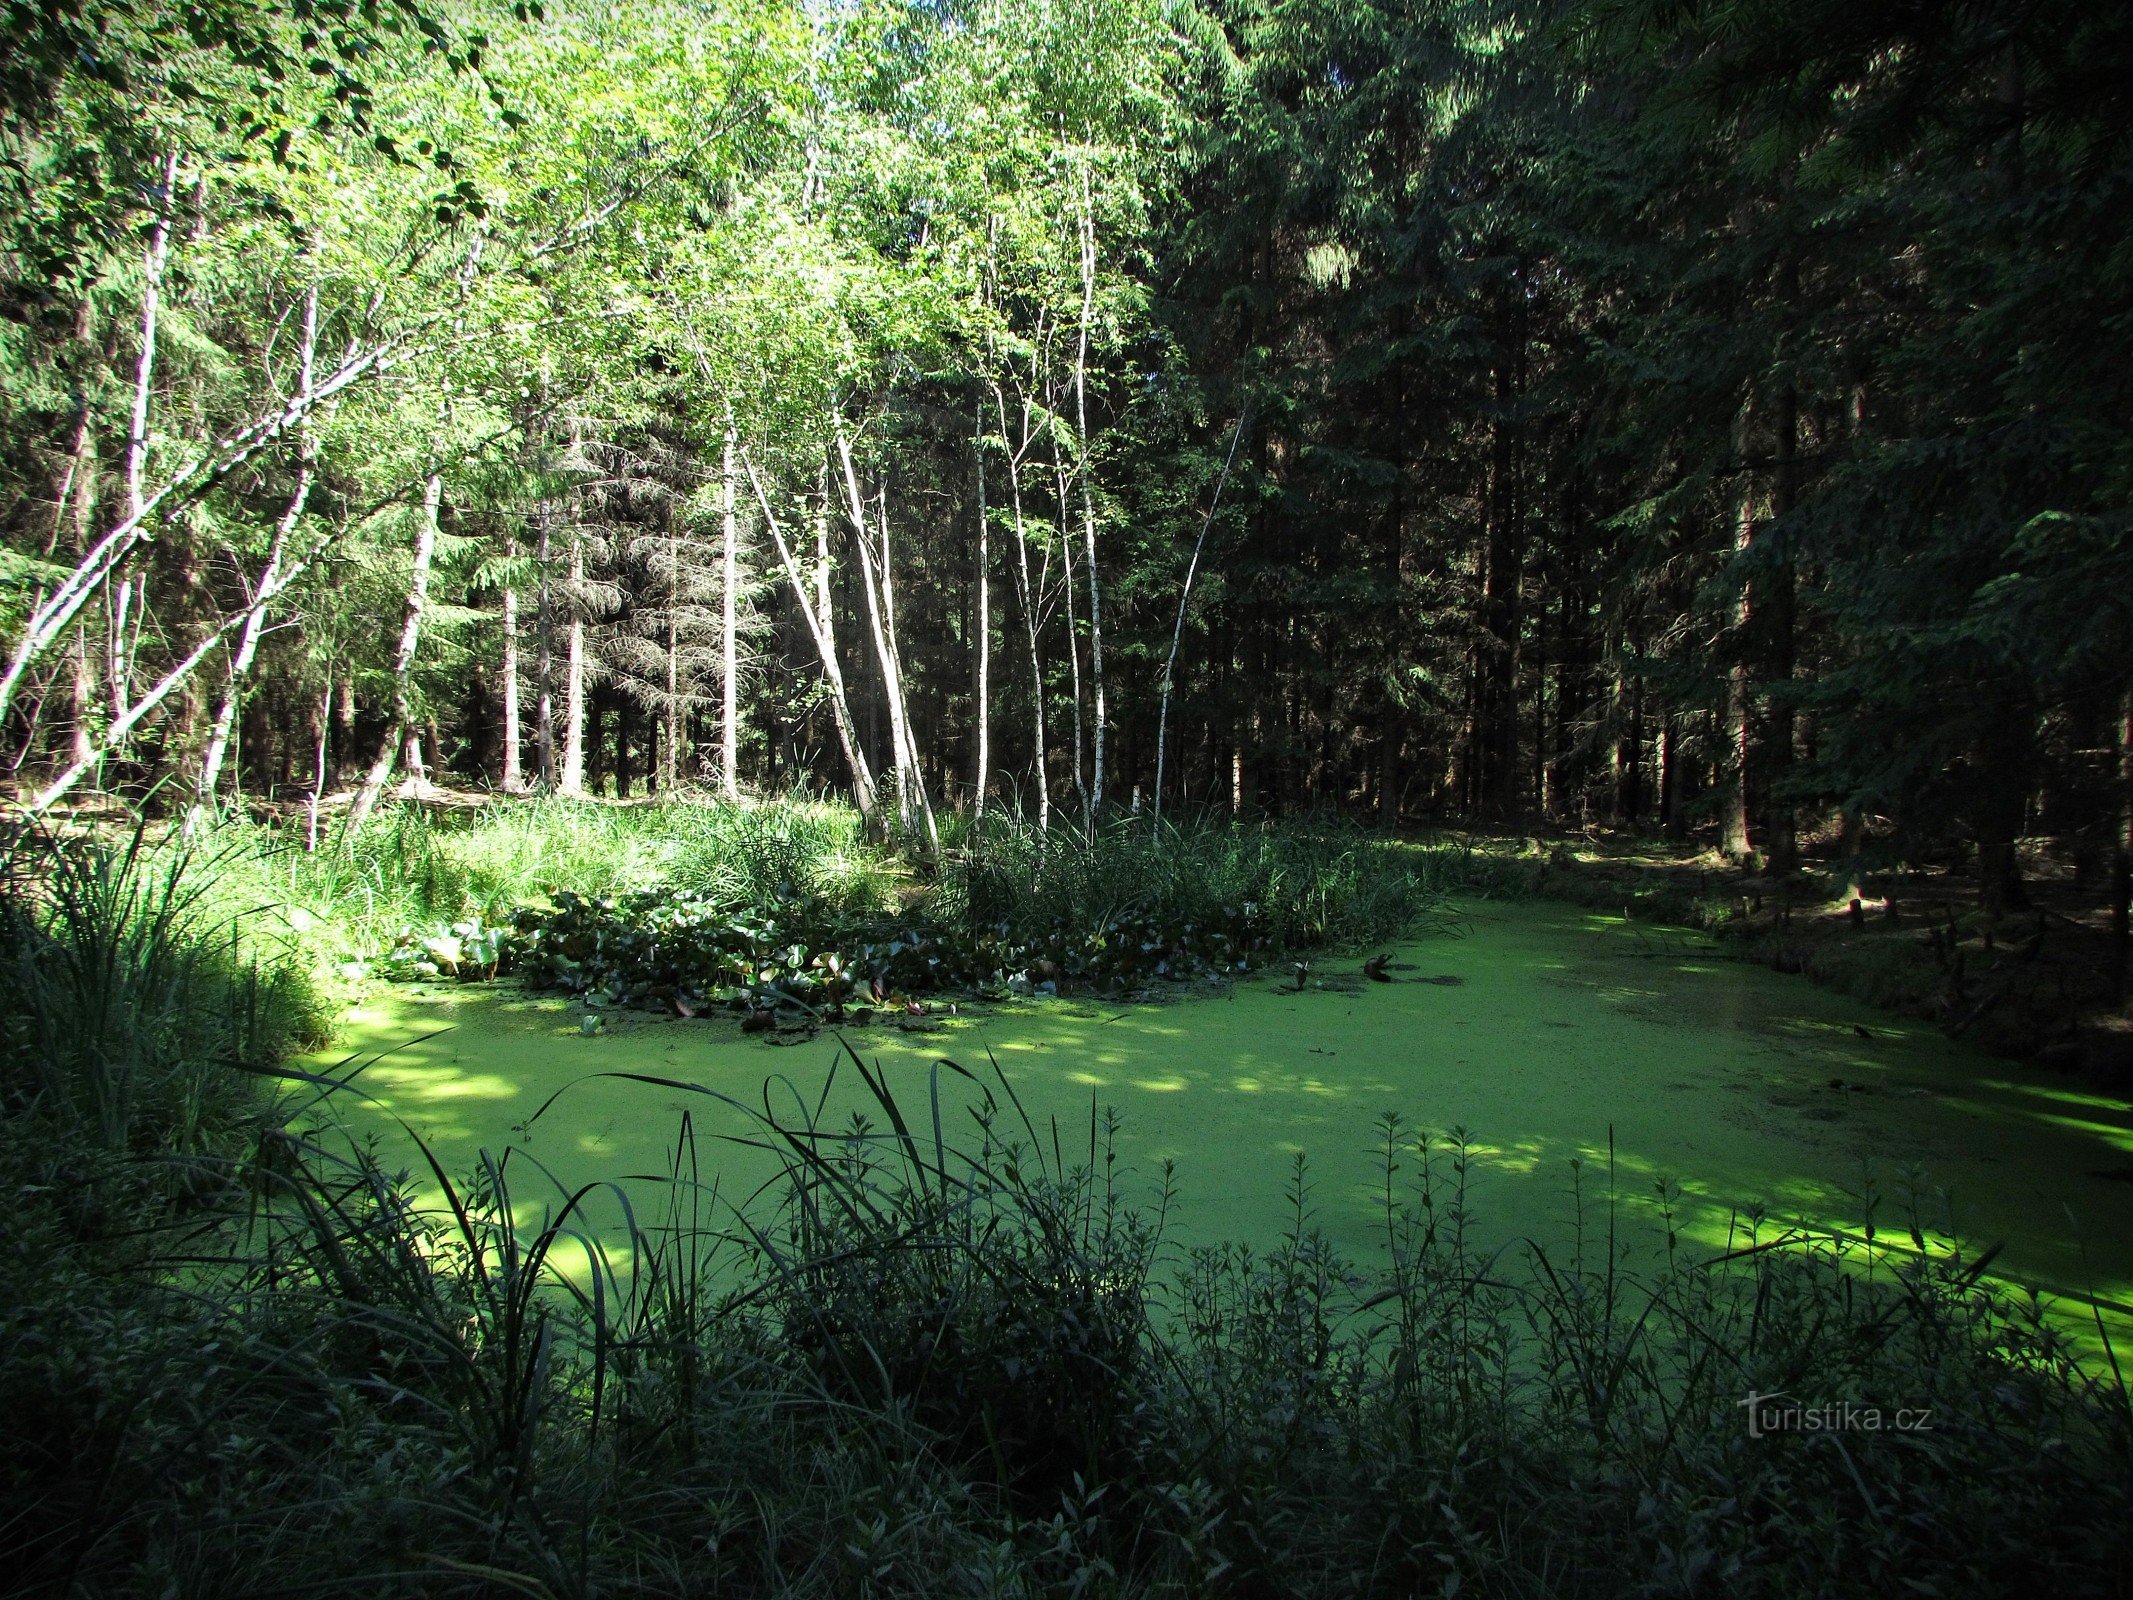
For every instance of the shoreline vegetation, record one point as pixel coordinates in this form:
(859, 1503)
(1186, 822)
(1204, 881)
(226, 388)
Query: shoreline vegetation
(749, 522)
(941, 1359)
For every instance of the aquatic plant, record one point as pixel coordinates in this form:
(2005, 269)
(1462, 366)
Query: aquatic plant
(930, 1360)
(923, 1363)
(131, 986)
(765, 918)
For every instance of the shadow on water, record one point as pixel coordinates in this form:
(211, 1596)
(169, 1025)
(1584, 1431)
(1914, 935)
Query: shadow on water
(1552, 1035)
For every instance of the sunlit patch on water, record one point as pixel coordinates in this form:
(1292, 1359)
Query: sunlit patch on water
(1563, 1041)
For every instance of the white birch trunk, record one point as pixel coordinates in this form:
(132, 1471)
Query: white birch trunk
(514, 775)
(571, 779)
(816, 612)
(401, 724)
(129, 602)
(729, 724)
(914, 810)
(1025, 595)
(155, 260)
(984, 629)
(1073, 631)
(118, 612)
(544, 707)
(1088, 499)
(241, 659)
(1177, 631)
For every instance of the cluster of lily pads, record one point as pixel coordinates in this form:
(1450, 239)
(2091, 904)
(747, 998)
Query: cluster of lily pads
(688, 953)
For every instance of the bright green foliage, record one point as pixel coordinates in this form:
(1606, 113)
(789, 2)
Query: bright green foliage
(1704, 414)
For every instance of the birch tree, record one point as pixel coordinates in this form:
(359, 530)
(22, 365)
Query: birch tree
(247, 648)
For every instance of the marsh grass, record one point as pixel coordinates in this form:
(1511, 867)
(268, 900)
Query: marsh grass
(132, 992)
(411, 872)
(414, 867)
(932, 1363)
(423, 894)
(1307, 883)
(950, 1353)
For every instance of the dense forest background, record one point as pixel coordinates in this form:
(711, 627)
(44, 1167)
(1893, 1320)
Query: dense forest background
(1707, 415)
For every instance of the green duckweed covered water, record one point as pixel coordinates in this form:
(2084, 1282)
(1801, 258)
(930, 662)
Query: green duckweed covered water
(1563, 1030)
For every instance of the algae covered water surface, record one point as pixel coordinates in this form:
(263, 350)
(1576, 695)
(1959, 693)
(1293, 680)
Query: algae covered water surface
(1549, 1034)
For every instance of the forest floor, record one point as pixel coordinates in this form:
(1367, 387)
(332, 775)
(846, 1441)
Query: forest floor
(2039, 984)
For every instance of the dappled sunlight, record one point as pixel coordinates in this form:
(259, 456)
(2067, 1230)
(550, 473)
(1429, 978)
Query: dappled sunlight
(2117, 1138)
(441, 1082)
(1737, 1087)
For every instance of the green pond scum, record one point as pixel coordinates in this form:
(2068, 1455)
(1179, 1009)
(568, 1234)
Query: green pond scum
(1630, 1069)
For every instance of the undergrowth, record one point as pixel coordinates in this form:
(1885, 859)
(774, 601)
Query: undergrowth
(133, 985)
(1005, 907)
(933, 1358)
(924, 1364)
(412, 867)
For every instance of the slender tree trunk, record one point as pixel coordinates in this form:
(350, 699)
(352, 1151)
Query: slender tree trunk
(128, 600)
(344, 724)
(1088, 500)
(1028, 602)
(1065, 537)
(886, 576)
(73, 510)
(1628, 719)
(218, 740)
(983, 629)
(318, 768)
(83, 478)
(82, 698)
(1778, 606)
(1177, 630)
(669, 748)
(400, 724)
(1495, 733)
(1740, 684)
(817, 612)
(915, 810)
(544, 654)
(514, 775)
(1669, 779)
(156, 259)
(420, 761)
(570, 779)
(848, 729)
(599, 699)
(729, 715)
(118, 609)
(78, 478)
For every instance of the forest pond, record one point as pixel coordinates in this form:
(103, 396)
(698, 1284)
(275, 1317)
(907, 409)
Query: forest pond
(1543, 1030)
